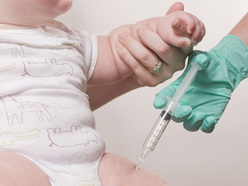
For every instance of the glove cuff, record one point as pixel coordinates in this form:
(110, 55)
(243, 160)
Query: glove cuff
(235, 53)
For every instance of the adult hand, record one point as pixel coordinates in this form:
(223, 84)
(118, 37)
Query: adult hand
(149, 49)
(208, 95)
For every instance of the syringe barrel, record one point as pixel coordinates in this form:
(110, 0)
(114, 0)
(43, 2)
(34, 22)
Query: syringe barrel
(159, 126)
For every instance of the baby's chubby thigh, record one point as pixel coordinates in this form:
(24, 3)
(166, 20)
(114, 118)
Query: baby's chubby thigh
(19, 171)
(115, 170)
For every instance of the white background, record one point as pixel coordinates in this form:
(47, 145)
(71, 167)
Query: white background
(181, 157)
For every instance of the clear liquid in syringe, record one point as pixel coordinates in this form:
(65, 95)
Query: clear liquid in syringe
(154, 136)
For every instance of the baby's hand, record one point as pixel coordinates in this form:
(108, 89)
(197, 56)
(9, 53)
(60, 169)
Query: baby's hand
(156, 48)
(181, 29)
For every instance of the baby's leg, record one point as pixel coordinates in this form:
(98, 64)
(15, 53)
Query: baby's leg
(19, 171)
(115, 170)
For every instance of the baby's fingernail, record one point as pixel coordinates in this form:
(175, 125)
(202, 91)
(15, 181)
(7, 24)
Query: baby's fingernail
(189, 31)
(178, 25)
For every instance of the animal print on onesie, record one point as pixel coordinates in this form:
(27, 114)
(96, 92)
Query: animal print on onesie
(44, 109)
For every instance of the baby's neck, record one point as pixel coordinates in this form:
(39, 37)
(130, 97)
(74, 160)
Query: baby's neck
(14, 26)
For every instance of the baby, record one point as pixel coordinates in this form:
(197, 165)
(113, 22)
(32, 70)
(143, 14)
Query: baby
(47, 129)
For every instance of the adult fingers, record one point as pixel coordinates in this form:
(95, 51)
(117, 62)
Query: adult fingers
(194, 121)
(169, 54)
(147, 58)
(160, 99)
(181, 113)
(129, 53)
(209, 124)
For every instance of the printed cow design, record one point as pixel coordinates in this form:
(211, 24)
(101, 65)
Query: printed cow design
(71, 138)
(15, 111)
(48, 68)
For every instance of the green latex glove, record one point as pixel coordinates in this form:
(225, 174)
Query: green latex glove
(209, 93)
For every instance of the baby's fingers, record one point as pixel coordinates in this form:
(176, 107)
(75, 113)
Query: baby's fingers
(188, 20)
(179, 27)
(176, 28)
(198, 33)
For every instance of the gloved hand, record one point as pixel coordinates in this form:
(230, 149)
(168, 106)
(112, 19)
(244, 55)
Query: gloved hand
(209, 93)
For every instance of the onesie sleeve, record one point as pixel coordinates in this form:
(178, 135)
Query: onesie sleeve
(90, 51)
(93, 57)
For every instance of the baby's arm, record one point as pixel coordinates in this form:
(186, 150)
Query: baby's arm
(145, 52)
(112, 68)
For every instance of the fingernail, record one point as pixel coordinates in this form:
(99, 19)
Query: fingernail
(139, 28)
(178, 25)
(123, 37)
(189, 31)
(118, 45)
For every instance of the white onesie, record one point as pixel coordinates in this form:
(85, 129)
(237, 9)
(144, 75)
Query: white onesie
(44, 110)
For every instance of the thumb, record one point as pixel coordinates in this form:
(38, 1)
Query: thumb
(160, 99)
(178, 6)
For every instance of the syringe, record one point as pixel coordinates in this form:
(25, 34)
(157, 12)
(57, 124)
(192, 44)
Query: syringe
(166, 114)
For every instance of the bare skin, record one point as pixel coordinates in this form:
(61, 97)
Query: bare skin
(116, 170)
(241, 29)
(127, 168)
(113, 170)
(149, 44)
(19, 171)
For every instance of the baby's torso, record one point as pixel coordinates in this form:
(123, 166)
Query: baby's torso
(44, 109)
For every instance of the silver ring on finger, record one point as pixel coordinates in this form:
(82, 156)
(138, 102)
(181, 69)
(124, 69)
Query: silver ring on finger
(157, 67)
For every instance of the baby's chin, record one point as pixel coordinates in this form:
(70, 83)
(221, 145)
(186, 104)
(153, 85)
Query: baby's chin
(63, 6)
